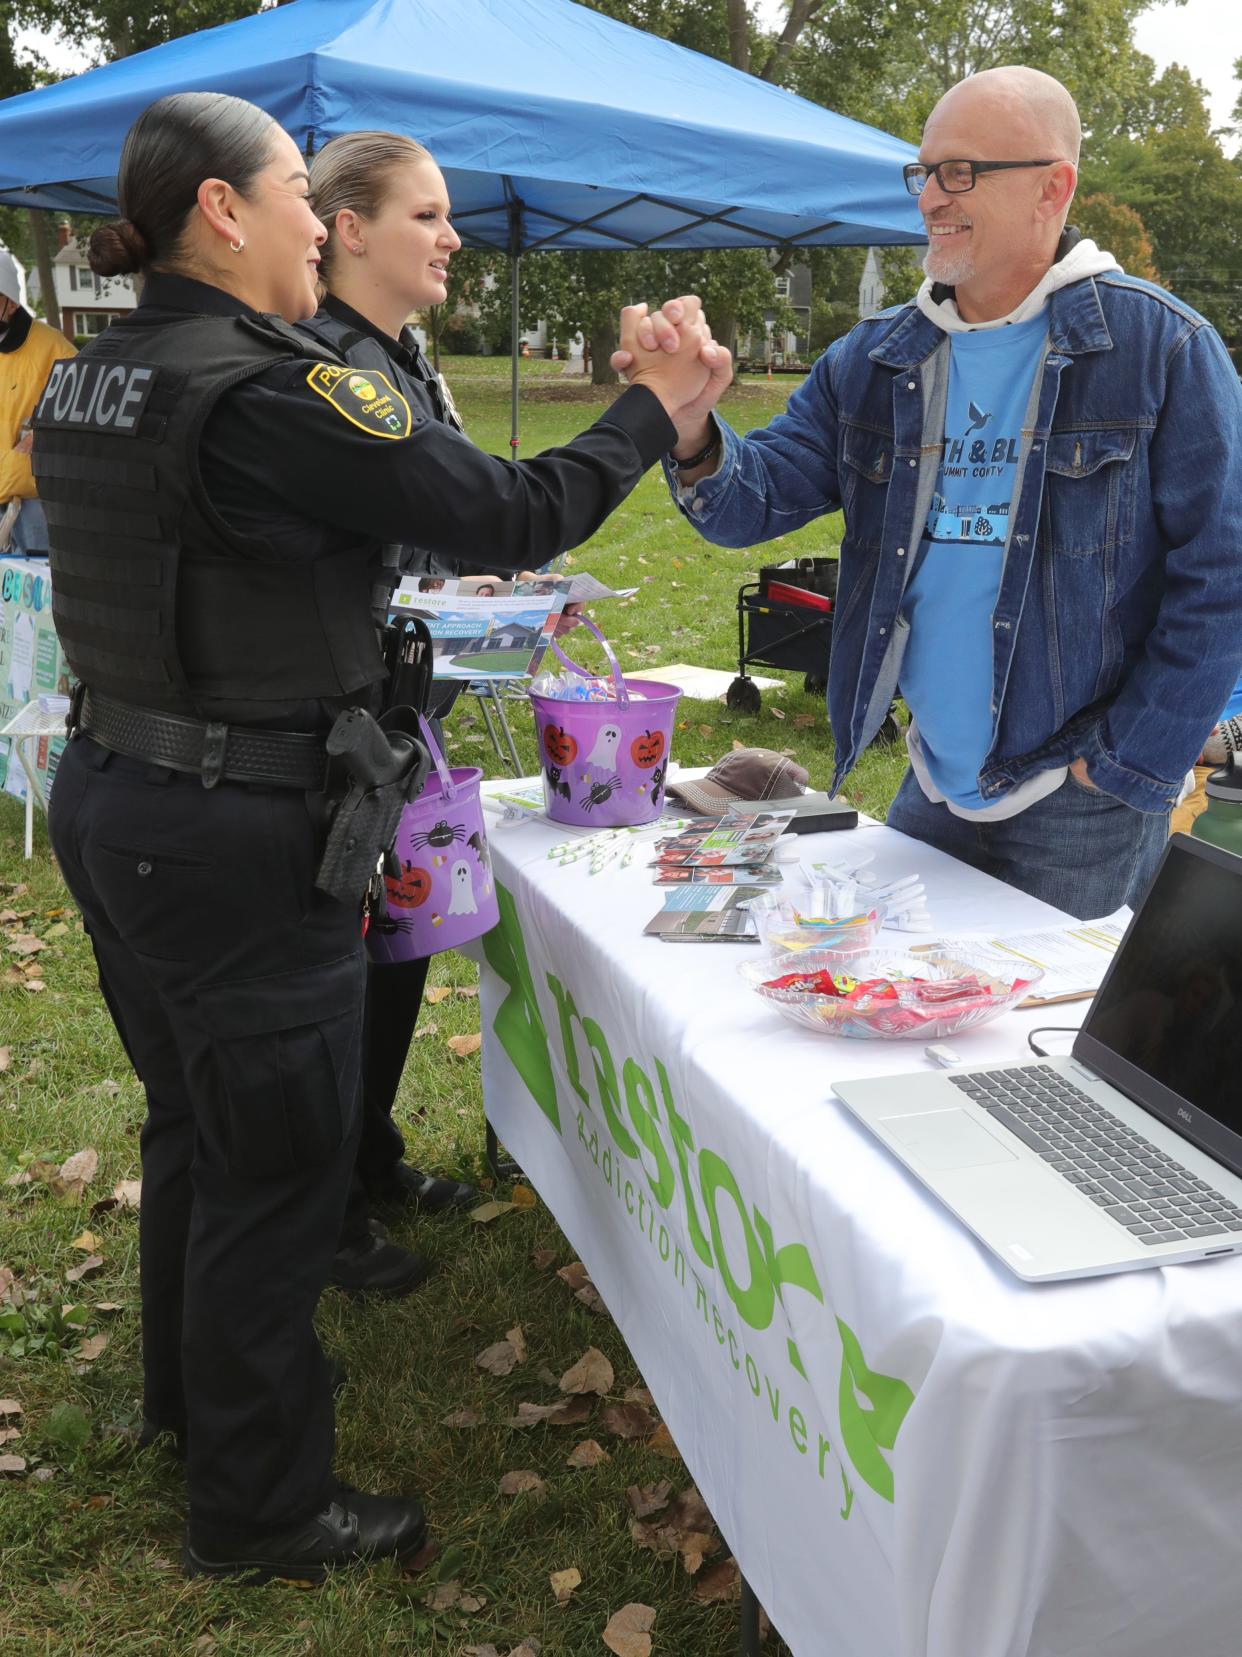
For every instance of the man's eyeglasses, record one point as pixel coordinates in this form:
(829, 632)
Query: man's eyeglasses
(956, 177)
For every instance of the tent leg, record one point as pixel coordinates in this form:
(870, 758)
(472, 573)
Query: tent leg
(515, 260)
(749, 1646)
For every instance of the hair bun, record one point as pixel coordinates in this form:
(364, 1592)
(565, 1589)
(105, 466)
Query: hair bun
(117, 248)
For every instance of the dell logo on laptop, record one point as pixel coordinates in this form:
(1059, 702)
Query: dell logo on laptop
(1185, 1115)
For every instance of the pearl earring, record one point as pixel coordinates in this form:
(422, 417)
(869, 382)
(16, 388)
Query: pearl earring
(238, 244)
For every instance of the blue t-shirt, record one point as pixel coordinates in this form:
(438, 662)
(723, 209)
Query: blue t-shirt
(946, 673)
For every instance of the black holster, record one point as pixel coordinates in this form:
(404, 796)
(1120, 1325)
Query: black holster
(382, 768)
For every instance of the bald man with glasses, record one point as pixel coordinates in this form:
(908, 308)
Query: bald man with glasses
(1039, 462)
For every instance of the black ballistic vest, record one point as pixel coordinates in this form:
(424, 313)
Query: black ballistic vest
(157, 601)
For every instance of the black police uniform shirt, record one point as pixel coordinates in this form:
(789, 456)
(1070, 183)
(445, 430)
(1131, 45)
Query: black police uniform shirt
(289, 457)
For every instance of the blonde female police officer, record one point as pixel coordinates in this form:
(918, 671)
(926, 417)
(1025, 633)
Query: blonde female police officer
(217, 491)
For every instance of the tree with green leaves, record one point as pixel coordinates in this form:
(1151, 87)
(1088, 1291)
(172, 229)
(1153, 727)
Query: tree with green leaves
(1118, 230)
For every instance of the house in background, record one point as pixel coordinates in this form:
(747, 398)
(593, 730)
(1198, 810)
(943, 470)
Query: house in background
(792, 289)
(88, 303)
(870, 286)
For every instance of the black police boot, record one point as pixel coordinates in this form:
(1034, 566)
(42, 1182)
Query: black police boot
(352, 1529)
(373, 1265)
(408, 1187)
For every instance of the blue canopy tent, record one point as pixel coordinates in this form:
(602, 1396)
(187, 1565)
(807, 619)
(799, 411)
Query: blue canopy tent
(556, 127)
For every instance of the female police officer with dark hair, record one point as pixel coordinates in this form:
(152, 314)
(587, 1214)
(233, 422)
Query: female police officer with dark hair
(217, 490)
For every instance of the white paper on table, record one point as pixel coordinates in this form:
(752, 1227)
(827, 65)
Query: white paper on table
(1074, 958)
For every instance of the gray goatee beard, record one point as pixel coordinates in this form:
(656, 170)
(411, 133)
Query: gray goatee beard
(947, 267)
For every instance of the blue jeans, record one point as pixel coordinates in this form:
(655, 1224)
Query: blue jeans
(1079, 849)
(29, 531)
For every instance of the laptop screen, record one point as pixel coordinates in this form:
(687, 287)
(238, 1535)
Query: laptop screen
(1170, 1009)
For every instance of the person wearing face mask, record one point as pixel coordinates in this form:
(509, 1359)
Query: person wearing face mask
(1039, 461)
(218, 488)
(28, 348)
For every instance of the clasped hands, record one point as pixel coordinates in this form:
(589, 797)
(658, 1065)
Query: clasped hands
(671, 351)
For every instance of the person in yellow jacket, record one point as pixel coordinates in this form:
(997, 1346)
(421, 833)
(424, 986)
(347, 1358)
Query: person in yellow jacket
(28, 348)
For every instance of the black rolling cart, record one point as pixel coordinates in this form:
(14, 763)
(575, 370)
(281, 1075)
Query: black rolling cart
(784, 620)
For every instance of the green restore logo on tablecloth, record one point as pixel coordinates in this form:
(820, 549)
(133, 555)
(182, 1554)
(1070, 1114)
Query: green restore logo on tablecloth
(705, 1182)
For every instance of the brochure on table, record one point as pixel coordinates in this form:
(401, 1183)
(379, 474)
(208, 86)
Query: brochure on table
(489, 628)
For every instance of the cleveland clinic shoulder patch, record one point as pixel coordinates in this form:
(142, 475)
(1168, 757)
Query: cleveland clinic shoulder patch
(364, 397)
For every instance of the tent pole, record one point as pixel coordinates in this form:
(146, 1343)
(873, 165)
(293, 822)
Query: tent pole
(515, 260)
(515, 310)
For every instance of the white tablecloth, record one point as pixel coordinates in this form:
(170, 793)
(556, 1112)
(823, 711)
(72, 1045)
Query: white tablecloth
(912, 1453)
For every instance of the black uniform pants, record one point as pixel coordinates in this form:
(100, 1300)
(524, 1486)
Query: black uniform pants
(238, 993)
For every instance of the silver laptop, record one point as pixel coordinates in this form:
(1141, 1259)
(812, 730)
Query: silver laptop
(1127, 1153)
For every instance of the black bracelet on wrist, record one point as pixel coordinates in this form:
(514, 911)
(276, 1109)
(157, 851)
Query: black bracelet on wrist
(713, 443)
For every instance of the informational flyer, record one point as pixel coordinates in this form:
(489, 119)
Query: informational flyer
(483, 629)
(32, 664)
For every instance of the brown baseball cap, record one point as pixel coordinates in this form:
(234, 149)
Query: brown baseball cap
(745, 774)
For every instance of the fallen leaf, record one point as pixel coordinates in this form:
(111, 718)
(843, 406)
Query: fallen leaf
(88, 1267)
(488, 1211)
(462, 1418)
(572, 1413)
(776, 713)
(661, 1441)
(8, 1434)
(517, 1340)
(591, 1298)
(564, 1583)
(7, 1282)
(646, 1499)
(108, 1307)
(638, 1395)
(463, 1046)
(12, 1466)
(25, 943)
(628, 1631)
(530, 1414)
(466, 991)
(719, 1582)
(575, 1274)
(481, 1651)
(522, 1481)
(87, 1242)
(127, 1193)
(628, 1420)
(541, 1259)
(90, 1349)
(498, 1359)
(587, 1454)
(523, 1197)
(707, 730)
(10, 1406)
(803, 722)
(444, 1596)
(34, 985)
(436, 994)
(737, 745)
(43, 1474)
(60, 930)
(426, 1029)
(426, 1555)
(6, 1058)
(592, 1373)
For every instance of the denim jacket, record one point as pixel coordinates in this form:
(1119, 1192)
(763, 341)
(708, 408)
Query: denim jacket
(1117, 632)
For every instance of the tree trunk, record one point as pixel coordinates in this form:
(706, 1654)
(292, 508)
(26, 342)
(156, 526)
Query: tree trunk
(603, 339)
(43, 258)
(739, 36)
(800, 14)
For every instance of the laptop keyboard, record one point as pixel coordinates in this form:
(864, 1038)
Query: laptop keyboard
(1156, 1199)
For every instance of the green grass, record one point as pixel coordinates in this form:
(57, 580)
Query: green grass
(88, 1558)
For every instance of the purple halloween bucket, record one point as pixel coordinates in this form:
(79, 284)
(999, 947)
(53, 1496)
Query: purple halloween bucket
(604, 763)
(444, 895)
